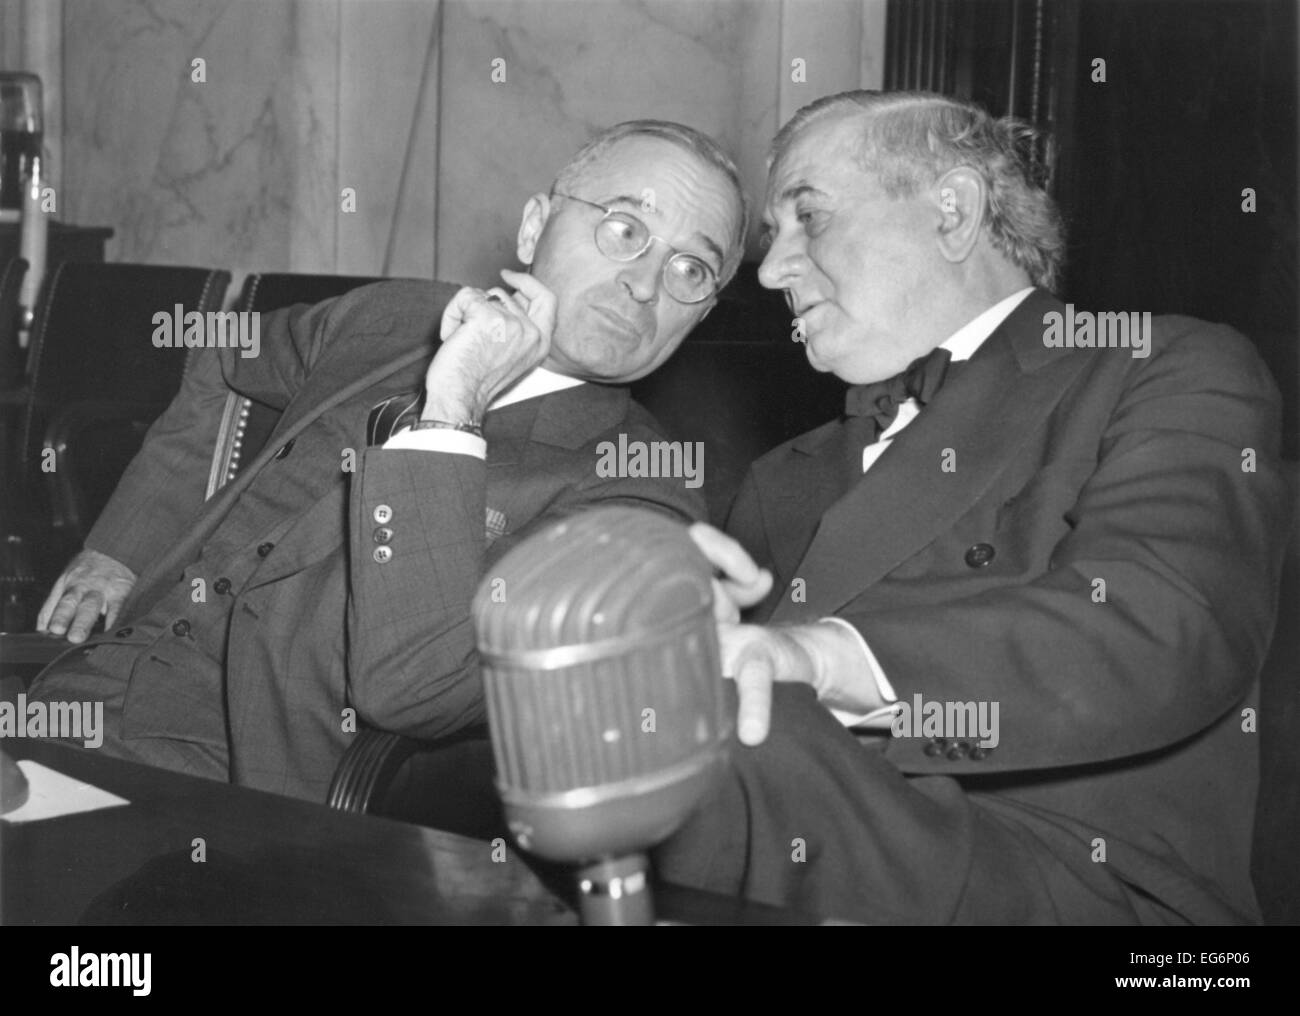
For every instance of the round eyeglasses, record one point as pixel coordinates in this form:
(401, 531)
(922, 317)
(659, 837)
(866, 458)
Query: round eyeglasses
(621, 236)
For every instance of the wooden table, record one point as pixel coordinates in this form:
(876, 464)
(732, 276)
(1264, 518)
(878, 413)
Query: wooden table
(272, 860)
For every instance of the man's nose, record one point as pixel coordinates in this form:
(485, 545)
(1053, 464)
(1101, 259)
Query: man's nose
(641, 276)
(783, 262)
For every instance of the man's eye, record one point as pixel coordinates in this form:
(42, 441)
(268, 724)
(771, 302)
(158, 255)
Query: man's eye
(809, 219)
(624, 233)
(691, 270)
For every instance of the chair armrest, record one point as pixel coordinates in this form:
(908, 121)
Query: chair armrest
(31, 647)
(67, 500)
(367, 768)
(24, 654)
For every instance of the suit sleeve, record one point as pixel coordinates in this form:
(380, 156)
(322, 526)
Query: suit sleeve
(412, 658)
(1183, 520)
(164, 486)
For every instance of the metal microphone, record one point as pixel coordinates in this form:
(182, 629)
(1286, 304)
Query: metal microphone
(601, 671)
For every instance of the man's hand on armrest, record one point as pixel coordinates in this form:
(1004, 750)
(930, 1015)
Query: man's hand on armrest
(92, 584)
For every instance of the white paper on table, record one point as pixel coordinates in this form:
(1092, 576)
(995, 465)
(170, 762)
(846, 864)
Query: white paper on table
(51, 794)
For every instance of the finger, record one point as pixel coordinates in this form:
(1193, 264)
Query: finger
(458, 310)
(51, 601)
(503, 299)
(111, 609)
(744, 580)
(748, 594)
(66, 609)
(511, 306)
(541, 301)
(724, 607)
(88, 611)
(754, 688)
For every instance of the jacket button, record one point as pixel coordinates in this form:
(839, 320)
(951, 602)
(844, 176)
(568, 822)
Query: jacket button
(383, 535)
(123, 633)
(383, 514)
(264, 549)
(958, 751)
(978, 753)
(383, 554)
(980, 555)
(933, 750)
(181, 628)
(222, 586)
(285, 449)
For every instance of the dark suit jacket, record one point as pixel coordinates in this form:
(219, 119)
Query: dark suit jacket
(324, 627)
(1121, 721)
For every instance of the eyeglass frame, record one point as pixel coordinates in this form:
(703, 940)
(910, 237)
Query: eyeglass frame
(650, 239)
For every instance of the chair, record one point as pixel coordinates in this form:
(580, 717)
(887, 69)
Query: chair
(95, 382)
(11, 356)
(245, 425)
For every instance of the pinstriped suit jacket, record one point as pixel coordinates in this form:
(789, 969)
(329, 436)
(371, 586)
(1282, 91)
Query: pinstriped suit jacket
(323, 626)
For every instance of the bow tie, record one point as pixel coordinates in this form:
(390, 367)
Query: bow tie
(876, 404)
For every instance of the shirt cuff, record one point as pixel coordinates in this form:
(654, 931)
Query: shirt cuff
(437, 439)
(876, 719)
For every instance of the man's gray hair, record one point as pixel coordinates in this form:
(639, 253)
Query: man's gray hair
(697, 143)
(910, 139)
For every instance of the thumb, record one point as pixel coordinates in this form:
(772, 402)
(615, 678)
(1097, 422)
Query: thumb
(754, 676)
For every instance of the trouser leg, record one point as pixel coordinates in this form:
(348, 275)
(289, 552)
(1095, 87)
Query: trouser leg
(101, 678)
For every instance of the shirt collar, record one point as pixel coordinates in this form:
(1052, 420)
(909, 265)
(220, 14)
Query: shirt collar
(970, 336)
(538, 381)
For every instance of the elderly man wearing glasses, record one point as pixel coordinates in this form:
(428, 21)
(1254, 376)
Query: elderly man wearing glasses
(424, 432)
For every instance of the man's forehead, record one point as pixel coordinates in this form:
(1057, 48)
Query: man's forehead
(822, 157)
(654, 178)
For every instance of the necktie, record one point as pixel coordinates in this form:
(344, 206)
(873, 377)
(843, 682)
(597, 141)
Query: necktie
(871, 408)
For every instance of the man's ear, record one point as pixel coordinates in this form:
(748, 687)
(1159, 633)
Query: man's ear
(960, 194)
(536, 211)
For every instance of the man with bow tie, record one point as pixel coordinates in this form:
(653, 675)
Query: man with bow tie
(332, 596)
(1081, 544)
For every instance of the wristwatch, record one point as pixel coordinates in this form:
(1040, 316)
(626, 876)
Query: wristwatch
(469, 428)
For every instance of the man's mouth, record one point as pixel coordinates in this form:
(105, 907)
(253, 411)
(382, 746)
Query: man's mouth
(800, 309)
(618, 320)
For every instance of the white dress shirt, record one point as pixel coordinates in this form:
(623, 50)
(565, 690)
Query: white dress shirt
(962, 345)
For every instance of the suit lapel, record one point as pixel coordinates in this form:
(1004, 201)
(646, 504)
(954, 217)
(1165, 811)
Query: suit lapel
(520, 435)
(908, 498)
(797, 489)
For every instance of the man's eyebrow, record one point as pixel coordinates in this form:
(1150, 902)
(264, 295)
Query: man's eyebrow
(704, 239)
(798, 190)
(635, 202)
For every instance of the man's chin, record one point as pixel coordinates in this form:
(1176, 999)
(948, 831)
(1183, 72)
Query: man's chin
(604, 355)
